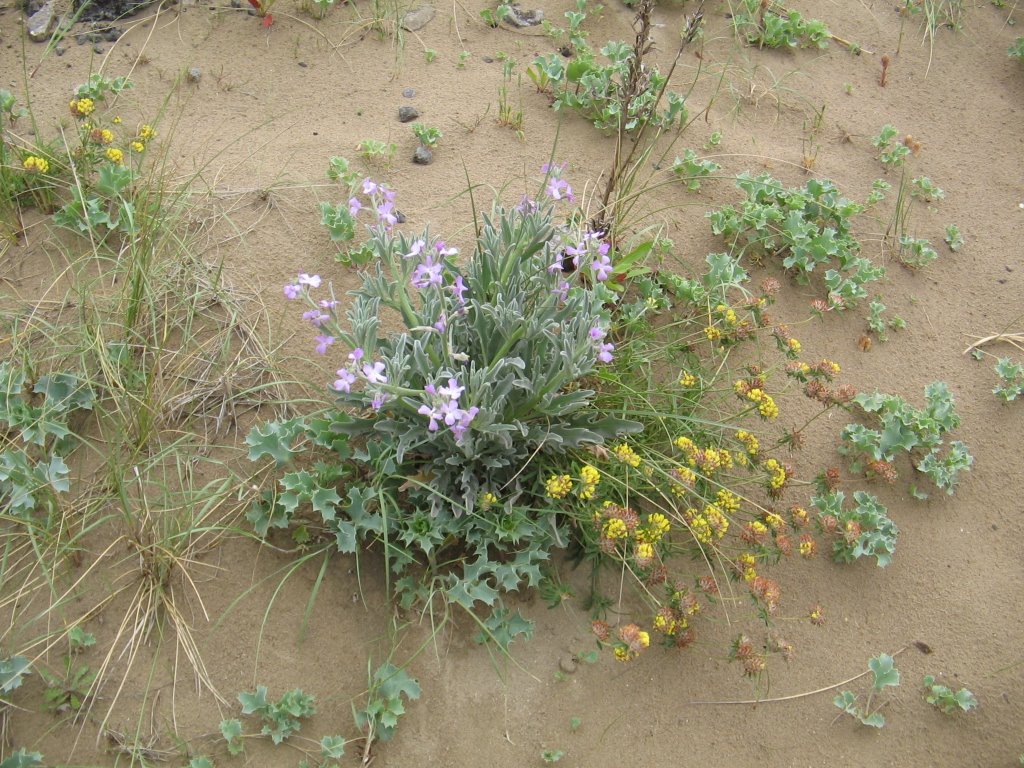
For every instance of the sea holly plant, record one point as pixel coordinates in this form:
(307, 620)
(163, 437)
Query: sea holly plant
(389, 685)
(764, 23)
(280, 718)
(883, 675)
(452, 415)
(691, 169)
(861, 530)
(1011, 380)
(944, 699)
(902, 428)
(808, 228)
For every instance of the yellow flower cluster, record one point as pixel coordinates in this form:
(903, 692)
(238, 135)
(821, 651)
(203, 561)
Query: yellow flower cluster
(36, 164)
(794, 346)
(102, 135)
(687, 379)
(488, 500)
(626, 455)
(745, 565)
(712, 333)
(115, 155)
(687, 446)
(728, 314)
(829, 368)
(655, 530)
(776, 474)
(774, 520)
(807, 546)
(558, 486)
(727, 501)
(710, 460)
(615, 528)
(666, 622)
(137, 147)
(632, 641)
(707, 526)
(644, 554)
(146, 133)
(749, 441)
(589, 478)
(765, 403)
(82, 107)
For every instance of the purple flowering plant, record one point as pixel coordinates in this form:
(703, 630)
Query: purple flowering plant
(454, 413)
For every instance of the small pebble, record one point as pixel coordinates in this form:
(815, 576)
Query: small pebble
(1009, 268)
(59, 50)
(399, 217)
(488, 60)
(303, 64)
(97, 48)
(409, 93)
(422, 156)
(193, 75)
(567, 663)
(407, 114)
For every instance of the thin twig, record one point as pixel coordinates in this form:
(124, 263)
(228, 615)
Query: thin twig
(796, 695)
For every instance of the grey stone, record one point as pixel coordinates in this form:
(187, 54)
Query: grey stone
(409, 93)
(418, 18)
(97, 48)
(407, 114)
(42, 23)
(193, 74)
(422, 156)
(517, 17)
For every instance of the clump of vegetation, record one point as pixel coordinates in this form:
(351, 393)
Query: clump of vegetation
(944, 699)
(883, 675)
(1011, 380)
(768, 24)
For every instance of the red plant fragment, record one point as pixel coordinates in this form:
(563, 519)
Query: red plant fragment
(268, 20)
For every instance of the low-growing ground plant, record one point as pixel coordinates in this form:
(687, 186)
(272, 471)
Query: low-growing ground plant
(769, 24)
(1011, 380)
(427, 135)
(692, 170)
(944, 699)
(809, 228)
(883, 675)
(903, 429)
(1016, 50)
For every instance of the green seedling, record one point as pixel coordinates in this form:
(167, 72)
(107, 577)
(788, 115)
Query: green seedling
(384, 703)
(1011, 380)
(767, 24)
(884, 674)
(280, 718)
(375, 150)
(953, 238)
(69, 691)
(925, 189)
(22, 759)
(945, 700)
(893, 154)
(691, 169)
(1016, 51)
(428, 136)
(552, 755)
(879, 324)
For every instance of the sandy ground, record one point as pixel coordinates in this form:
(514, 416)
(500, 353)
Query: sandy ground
(270, 106)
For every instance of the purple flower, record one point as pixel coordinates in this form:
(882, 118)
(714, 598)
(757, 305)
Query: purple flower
(327, 303)
(356, 354)
(315, 318)
(313, 281)
(458, 289)
(354, 206)
(602, 267)
(292, 291)
(527, 205)
(604, 352)
(459, 429)
(385, 214)
(322, 343)
(389, 194)
(559, 188)
(415, 250)
(344, 381)
(369, 186)
(442, 250)
(379, 400)
(427, 273)
(562, 291)
(432, 414)
(430, 389)
(453, 391)
(597, 333)
(442, 323)
(374, 373)
(450, 412)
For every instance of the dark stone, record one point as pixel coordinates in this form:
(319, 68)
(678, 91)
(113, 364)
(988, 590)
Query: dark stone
(488, 60)
(407, 114)
(422, 156)
(303, 64)
(399, 217)
(108, 10)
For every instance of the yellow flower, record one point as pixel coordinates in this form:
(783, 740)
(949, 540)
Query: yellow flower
(687, 379)
(36, 164)
(137, 147)
(701, 529)
(766, 406)
(115, 155)
(615, 529)
(82, 107)
(146, 133)
(116, 120)
(626, 455)
(717, 521)
(658, 525)
(712, 333)
(558, 486)
(622, 653)
(774, 520)
(488, 500)
(776, 474)
(727, 501)
(794, 345)
(590, 475)
(749, 441)
(644, 552)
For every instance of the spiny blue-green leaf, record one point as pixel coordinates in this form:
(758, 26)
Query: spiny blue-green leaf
(332, 747)
(393, 681)
(253, 703)
(12, 671)
(200, 762)
(231, 730)
(22, 759)
(884, 671)
(273, 439)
